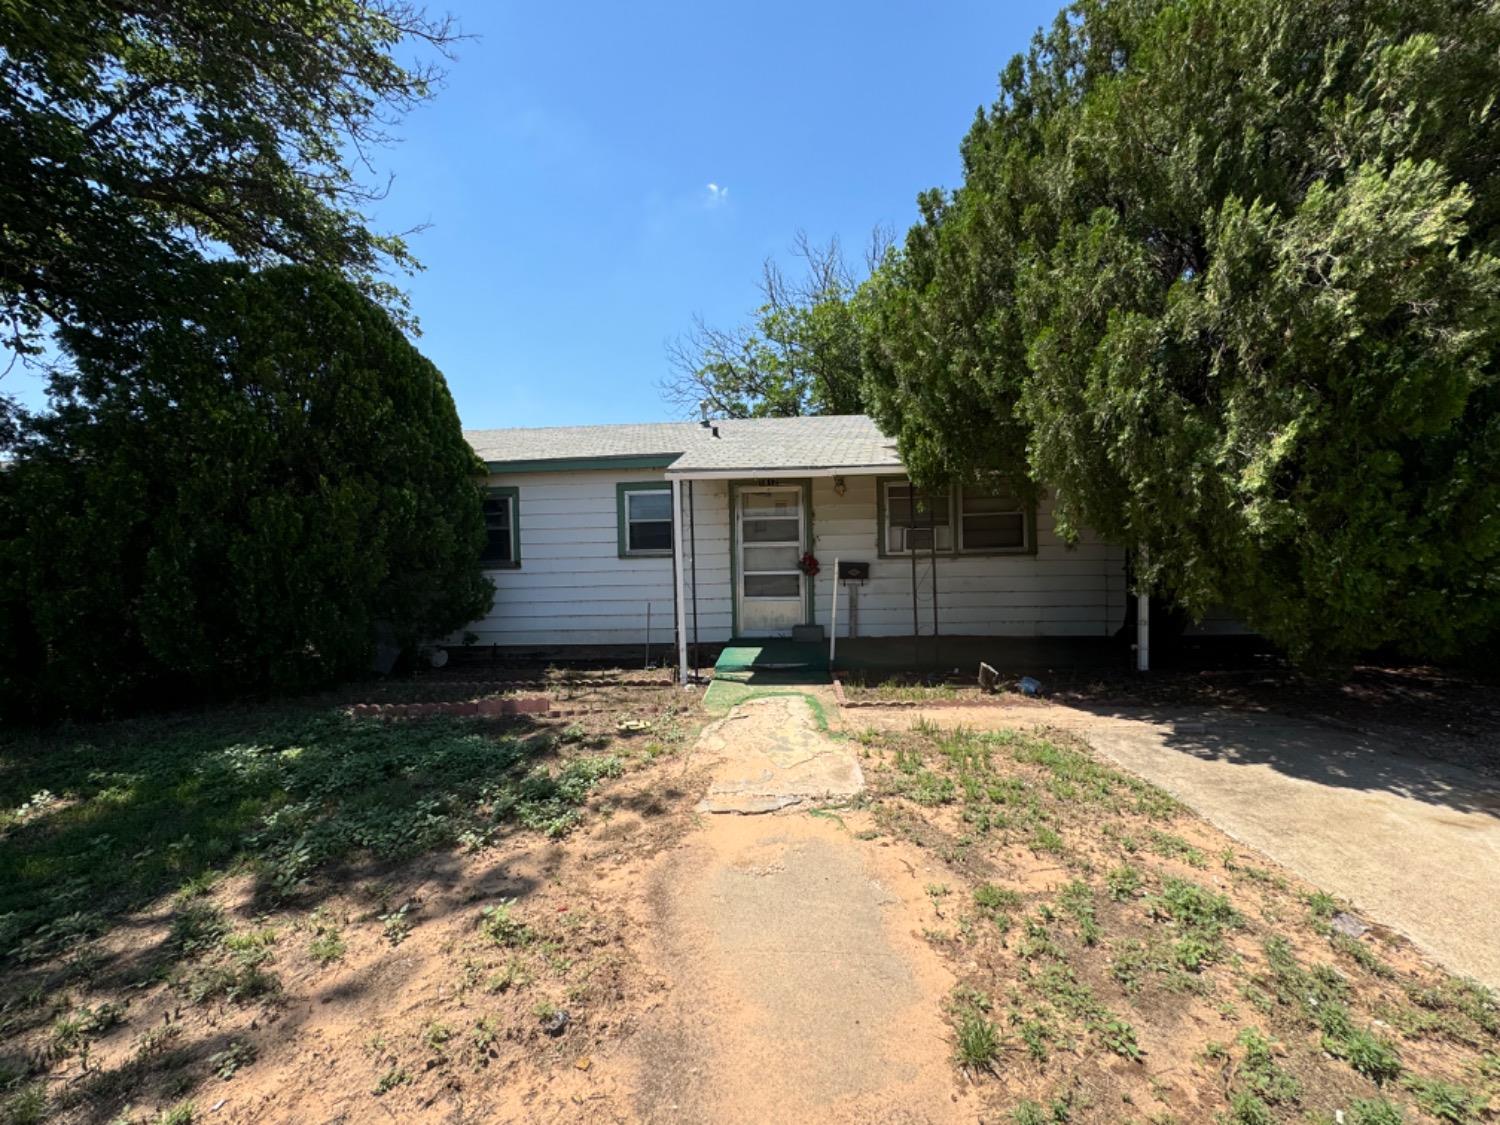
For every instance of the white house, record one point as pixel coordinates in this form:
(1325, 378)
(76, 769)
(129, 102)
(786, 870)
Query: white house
(702, 532)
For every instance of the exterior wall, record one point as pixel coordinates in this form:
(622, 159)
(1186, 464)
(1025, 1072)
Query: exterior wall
(573, 588)
(1057, 592)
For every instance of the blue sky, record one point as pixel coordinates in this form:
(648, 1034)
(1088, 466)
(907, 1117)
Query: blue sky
(565, 172)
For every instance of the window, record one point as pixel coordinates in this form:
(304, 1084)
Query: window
(909, 513)
(645, 515)
(993, 519)
(771, 543)
(501, 546)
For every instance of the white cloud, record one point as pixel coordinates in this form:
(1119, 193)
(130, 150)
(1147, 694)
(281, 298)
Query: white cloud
(717, 194)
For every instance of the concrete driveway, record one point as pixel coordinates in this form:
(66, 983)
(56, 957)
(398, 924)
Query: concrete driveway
(1413, 843)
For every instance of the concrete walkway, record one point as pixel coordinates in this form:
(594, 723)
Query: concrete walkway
(1413, 843)
(797, 984)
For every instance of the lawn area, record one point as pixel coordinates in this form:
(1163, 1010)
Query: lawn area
(169, 887)
(1120, 959)
(287, 914)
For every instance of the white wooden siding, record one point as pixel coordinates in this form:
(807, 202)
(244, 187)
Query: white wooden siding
(572, 588)
(1058, 592)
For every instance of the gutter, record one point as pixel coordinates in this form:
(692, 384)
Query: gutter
(785, 471)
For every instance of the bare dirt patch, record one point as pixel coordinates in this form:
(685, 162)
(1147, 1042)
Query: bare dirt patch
(1001, 927)
(800, 988)
(477, 982)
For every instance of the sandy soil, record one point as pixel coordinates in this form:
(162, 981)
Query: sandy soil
(799, 985)
(800, 965)
(1413, 842)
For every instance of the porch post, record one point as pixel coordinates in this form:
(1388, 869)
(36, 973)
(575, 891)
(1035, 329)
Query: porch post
(680, 616)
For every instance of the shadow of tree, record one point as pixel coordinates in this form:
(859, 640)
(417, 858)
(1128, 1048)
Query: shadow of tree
(126, 824)
(1336, 756)
(140, 809)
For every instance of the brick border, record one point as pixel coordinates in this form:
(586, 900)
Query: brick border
(1008, 700)
(482, 708)
(490, 686)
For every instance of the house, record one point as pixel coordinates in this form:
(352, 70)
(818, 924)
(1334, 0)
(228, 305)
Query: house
(616, 535)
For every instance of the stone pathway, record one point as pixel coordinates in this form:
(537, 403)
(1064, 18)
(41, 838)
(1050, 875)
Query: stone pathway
(769, 754)
(801, 988)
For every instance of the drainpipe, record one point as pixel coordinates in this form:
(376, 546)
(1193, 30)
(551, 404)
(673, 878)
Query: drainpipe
(1142, 616)
(680, 607)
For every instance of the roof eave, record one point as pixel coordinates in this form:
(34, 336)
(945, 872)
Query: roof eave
(690, 473)
(583, 464)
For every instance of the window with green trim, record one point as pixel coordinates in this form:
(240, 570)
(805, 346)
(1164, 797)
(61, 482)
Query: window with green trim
(501, 546)
(914, 519)
(645, 515)
(992, 519)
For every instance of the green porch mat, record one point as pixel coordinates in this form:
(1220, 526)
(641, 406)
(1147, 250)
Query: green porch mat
(772, 656)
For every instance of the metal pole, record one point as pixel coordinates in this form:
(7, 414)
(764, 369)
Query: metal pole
(1142, 616)
(931, 523)
(693, 548)
(681, 613)
(648, 633)
(833, 620)
(916, 627)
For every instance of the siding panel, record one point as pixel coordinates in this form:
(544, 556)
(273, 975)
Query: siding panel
(573, 589)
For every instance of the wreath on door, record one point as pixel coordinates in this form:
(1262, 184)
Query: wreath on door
(808, 565)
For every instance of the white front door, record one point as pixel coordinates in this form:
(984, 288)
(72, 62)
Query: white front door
(771, 527)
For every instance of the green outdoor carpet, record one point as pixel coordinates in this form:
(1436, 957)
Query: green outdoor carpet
(772, 661)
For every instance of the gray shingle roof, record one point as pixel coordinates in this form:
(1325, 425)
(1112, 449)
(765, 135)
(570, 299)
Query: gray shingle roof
(564, 443)
(844, 441)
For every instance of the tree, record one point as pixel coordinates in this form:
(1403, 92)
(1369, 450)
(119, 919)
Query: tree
(800, 355)
(234, 499)
(136, 139)
(1226, 275)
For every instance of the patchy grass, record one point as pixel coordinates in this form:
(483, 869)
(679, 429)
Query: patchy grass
(171, 888)
(144, 808)
(1122, 925)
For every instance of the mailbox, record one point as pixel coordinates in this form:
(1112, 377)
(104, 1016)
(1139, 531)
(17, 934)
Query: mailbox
(854, 571)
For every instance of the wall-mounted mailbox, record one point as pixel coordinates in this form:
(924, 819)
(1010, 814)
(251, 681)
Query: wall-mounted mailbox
(854, 571)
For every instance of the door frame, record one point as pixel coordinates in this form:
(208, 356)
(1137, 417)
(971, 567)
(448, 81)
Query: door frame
(805, 484)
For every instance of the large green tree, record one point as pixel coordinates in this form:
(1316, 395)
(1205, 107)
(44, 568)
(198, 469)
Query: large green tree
(1223, 273)
(235, 497)
(137, 138)
(800, 353)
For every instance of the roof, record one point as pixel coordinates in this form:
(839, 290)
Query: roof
(753, 445)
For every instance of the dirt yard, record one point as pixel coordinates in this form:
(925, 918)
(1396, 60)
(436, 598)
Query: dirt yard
(534, 920)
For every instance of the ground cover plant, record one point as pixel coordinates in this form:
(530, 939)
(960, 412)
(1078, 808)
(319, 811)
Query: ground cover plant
(171, 888)
(1120, 960)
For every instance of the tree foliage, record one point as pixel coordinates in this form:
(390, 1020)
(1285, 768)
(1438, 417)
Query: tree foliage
(232, 499)
(800, 354)
(1224, 274)
(137, 138)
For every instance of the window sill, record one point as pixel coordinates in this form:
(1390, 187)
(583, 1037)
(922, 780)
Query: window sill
(499, 565)
(646, 554)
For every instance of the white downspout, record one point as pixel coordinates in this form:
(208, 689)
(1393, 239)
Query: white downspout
(1142, 618)
(681, 599)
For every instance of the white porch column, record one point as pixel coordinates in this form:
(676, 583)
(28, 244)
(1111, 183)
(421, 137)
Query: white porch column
(680, 617)
(1142, 618)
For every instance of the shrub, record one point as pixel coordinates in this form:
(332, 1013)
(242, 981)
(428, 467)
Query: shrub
(236, 498)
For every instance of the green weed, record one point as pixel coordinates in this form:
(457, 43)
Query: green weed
(978, 1040)
(1446, 1101)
